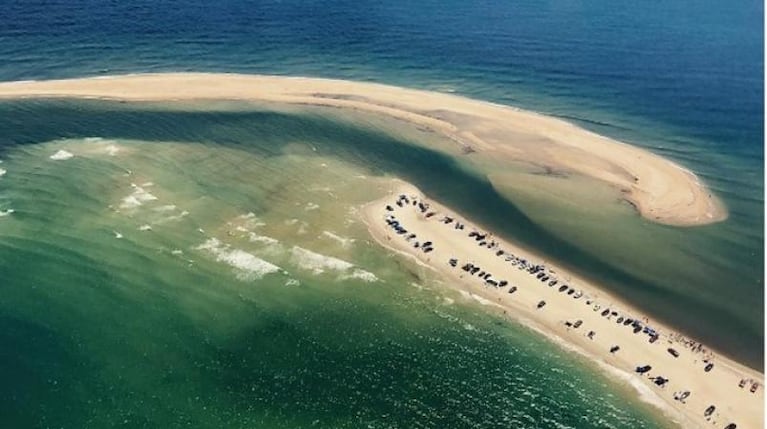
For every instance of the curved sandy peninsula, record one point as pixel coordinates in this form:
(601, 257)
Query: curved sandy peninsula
(661, 190)
(691, 384)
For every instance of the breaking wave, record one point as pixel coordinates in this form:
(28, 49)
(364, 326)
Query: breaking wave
(248, 266)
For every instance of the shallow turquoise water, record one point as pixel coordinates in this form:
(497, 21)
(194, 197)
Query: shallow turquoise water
(660, 268)
(135, 294)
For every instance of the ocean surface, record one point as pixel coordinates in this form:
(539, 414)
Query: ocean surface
(201, 265)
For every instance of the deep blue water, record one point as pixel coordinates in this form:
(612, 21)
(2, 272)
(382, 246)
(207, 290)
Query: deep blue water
(688, 64)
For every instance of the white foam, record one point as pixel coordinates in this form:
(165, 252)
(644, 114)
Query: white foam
(359, 274)
(255, 238)
(316, 262)
(179, 216)
(137, 198)
(345, 242)
(165, 208)
(249, 266)
(250, 221)
(176, 252)
(93, 139)
(117, 234)
(292, 282)
(2, 172)
(145, 228)
(61, 155)
(311, 206)
(479, 299)
(4, 213)
(112, 150)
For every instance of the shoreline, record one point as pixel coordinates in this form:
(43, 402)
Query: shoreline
(719, 387)
(660, 190)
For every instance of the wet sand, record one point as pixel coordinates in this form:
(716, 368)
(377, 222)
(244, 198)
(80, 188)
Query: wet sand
(557, 318)
(659, 189)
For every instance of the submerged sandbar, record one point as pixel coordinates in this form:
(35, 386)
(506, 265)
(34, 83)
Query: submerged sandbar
(659, 189)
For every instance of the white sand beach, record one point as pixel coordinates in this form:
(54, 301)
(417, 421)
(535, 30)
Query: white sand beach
(661, 190)
(575, 313)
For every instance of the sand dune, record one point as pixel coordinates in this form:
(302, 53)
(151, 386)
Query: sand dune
(558, 318)
(661, 190)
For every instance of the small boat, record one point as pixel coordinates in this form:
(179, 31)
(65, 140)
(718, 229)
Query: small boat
(754, 387)
(742, 383)
(614, 349)
(541, 304)
(684, 395)
(512, 289)
(673, 352)
(578, 324)
(731, 426)
(562, 288)
(620, 320)
(709, 367)
(606, 312)
(570, 291)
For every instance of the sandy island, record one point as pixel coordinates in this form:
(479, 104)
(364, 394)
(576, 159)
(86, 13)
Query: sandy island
(659, 189)
(691, 384)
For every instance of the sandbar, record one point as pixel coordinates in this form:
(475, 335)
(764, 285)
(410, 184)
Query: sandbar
(660, 190)
(572, 311)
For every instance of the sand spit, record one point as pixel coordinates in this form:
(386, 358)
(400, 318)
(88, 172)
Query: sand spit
(573, 312)
(661, 190)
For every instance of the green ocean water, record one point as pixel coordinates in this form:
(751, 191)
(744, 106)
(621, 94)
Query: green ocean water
(204, 266)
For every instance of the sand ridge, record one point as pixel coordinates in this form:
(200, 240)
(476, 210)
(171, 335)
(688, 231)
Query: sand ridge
(558, 317)
(659, 189)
